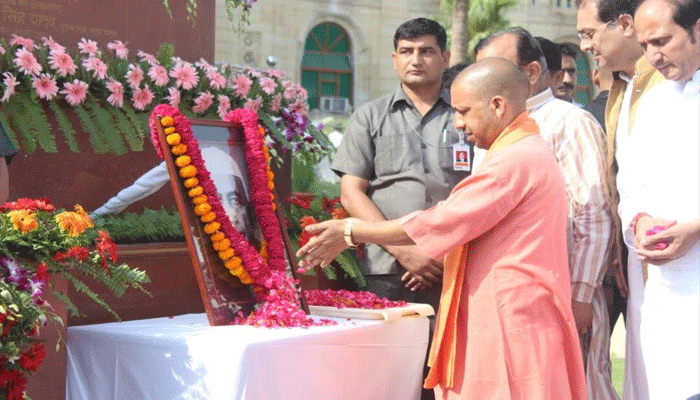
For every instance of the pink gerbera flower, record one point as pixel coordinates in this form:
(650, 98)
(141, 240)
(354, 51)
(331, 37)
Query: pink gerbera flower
(75, 92)
(216, 80)
(134, 76)
(119, 48)
(45, 86)
(22, 41)
(253, 72)
(88, 47)
(203, 102)
(290, 94)
(142, 97)
(145, 57)
(116, 89)
(268, 85)
(173, 97)
(159, 75)
(275, 73)
(224, 106)
(204, 65)
(242, 85)
(25, 60)
(276, 103)
(62, 63)
(97, 66)
(2, 50)
(10, 83)
(185, 75)
(253, 104)
(52, 44)
(300, 107)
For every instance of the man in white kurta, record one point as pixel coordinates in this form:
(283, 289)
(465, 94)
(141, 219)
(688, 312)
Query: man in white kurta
(659, 185)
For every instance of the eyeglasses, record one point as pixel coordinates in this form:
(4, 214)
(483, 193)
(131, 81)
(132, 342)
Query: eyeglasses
(590, 34)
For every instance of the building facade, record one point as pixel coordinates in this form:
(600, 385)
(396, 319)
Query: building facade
(340, 50)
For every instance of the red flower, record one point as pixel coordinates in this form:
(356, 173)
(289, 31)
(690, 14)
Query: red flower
(106, 247)
(303, 202)
(306, 221)
(329, 204)
(75, 252)
(43, 204)
(14, 382)
(7, 324)
(31, 360)
(42, 272)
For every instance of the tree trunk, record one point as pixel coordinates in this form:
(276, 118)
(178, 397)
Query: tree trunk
(460, 31)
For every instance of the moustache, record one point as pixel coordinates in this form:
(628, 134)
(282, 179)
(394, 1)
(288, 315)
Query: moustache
(566, 86)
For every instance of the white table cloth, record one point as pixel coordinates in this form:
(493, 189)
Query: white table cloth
(185, 358)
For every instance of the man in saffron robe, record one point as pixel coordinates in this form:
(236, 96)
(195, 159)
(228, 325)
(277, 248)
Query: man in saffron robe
(505, 329)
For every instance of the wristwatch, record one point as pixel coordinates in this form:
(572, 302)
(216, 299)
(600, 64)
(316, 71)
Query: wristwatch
(347, 233)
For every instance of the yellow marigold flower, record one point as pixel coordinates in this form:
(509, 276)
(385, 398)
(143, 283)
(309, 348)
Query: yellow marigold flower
(274, 206)
(211, 227)
(233, 263)
(178, 149)
(167, 121)
(261, 130)
(173, 139)
(246, 279)
(183, 161)
(270, 185)
(208, 217)
(200, 199)
(226, 254)
(238, 270)
(195, 191)
(71, 222)
(23, 220)
(188, 171)
(270, 175)
(191, 182)
(169, 130)
(81, 211)
(217, 236)
(201, 209)
(222, 244)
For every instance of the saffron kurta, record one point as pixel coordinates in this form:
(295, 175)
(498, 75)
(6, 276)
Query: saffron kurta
(515, 333)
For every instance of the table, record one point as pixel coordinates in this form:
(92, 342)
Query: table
(184, 358)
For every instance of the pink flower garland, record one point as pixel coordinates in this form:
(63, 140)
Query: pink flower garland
(260, 193)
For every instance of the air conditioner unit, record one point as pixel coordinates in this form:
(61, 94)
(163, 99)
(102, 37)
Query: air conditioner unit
(336, 105)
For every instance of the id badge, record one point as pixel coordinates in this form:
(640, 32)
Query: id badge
(460, 157)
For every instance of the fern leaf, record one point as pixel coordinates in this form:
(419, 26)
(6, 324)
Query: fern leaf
(70, 306)
(139, 124)
(65, 126)
(10, 132)
(38, 118)
(348, 263)
(105, 124)
(24, 126)
(98, 145)
(275, 130)
(329, 270)
(132, 137)
(82, 287)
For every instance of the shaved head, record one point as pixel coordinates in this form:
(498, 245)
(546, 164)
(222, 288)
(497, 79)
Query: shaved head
(486, 97)
(496, 77)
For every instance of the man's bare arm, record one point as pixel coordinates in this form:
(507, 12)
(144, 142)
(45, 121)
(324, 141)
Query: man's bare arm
(422, 270)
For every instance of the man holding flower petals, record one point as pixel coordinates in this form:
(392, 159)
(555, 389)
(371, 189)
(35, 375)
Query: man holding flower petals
(505, 329)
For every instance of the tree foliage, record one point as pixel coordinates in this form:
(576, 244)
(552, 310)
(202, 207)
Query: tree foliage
(484, 17)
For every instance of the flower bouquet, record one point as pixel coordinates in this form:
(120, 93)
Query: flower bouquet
(40, 241)
(309, 209)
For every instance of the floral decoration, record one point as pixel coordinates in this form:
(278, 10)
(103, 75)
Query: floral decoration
(49, 72)
(306, 209)
(347, 299)
(40, 241)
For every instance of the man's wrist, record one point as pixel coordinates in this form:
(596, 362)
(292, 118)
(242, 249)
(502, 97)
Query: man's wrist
(347, 232)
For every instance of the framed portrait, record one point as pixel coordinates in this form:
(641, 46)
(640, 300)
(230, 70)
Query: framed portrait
(223, 152)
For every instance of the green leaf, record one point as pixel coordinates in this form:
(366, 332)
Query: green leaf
(104, 122)
(131, 135)
(65, 126)
(96, 140)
